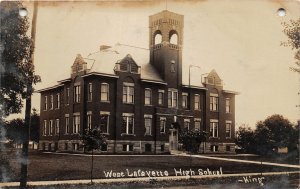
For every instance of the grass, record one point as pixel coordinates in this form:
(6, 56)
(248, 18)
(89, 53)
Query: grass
(68, 167)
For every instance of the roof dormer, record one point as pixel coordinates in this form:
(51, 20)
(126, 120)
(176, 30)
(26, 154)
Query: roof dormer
(79, 65)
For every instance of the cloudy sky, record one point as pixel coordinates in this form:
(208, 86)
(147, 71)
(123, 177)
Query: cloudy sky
(239, 39)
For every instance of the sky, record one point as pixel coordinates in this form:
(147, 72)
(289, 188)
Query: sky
(240, 39)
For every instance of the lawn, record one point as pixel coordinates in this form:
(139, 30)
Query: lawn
(44, 166)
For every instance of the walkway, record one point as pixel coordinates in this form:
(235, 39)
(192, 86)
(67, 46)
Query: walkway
(240, 160)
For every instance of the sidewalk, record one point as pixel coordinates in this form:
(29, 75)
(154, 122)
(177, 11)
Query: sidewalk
(239, 160)
(141, 179)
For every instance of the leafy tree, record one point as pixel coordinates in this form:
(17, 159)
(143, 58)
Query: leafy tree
(93, 140)
(191, 140)
(292, 30)
(34, 126)
(15, 129)
(273, 133)
(16, 48)
(245, 139)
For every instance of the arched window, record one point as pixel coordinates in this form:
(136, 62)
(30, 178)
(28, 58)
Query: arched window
(173, 37)
(157, 37)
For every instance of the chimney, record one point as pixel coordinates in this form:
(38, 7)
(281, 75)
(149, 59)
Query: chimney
(104, 47)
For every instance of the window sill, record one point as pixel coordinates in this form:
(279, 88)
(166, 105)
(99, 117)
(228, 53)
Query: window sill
(105, 133)
(214, 110)
(150, 105)
(228, 137)
(214, 137)
(162, 133)
(104, 101)
(148, 135)
(125, 134)
(128, 103)
(89, 101)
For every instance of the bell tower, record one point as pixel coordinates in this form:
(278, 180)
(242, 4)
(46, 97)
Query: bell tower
(165, 41)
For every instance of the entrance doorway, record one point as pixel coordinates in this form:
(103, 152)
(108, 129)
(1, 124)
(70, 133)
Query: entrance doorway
(173, 139)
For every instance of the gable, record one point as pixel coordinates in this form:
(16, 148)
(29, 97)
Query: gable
(213, 78)
(127, 64)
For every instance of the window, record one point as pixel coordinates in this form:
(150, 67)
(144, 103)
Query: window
(50, 127)
(162, 148)
(75, 146)
(147, 147)
(214, 102)
(184, 100)
(104, 92)
(214, 126)
(127, 147)
(157, 38)
(197, 102)
(227, 105)
(228, 129)
(103, 148)
(57, 100)
(51, 102)
(162, 125)
(104, 122)
(45, 128)
(46, 103)
(77, 93)
(76, 123)
(186, 124)
(197, 124)
(67, 123)
(57, 127)
(148, 97)
(68, 96)
(66, 146)
(227, 148)
(148, 124)
(89, 120)
(161, 97)
(172, 98)
(128, 124)
(214, 148)
(128, 93)
(172, 68)
(90, 92)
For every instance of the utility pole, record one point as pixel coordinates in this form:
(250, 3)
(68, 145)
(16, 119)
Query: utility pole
(24, 162)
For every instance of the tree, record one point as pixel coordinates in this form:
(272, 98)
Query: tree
(273, 133)
(245, 139)
(93, 140)
(191, 140)
(292, 30)
(35, 126)
(16, 67)
(15, 129)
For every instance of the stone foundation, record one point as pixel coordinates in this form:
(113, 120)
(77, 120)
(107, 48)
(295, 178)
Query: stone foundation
(215, 147)
(120, 146)
(132, 147)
